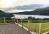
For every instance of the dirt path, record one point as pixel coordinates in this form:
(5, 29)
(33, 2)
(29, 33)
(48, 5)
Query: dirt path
(19, 30)
(12, 29)
(8, 29)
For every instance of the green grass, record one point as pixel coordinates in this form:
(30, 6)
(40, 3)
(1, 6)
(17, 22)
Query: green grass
(34, 27)
(44, 27)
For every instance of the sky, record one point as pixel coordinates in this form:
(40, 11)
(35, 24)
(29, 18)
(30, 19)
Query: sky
(5, 4)
(12, 3)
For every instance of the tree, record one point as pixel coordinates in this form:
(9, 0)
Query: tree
(30, 19)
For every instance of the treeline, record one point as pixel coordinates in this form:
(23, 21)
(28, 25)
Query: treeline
(33, 20)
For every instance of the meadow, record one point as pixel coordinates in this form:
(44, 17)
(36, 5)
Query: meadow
(37, 27)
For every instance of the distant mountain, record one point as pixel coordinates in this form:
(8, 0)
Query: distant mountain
(25, 7)
(40, 11)
(3, 14)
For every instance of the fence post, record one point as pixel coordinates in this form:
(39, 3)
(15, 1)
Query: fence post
(28, 24)
(17, 20)
(4, 19)
(40, 28)
(22, 23)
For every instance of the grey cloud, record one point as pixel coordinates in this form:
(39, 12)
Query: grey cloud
(25, 7)
(31, 6)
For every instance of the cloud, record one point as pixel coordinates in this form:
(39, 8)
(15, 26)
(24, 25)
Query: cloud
(12, 3)
(27, 7)
(26, 2)
(7, 3)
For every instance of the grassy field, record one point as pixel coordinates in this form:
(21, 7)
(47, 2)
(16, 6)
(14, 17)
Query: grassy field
(35, 27)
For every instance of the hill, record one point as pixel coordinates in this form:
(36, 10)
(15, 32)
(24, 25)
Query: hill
(40, 11)
(3, 14)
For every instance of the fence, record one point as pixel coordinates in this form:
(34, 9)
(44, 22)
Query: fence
(39, 28)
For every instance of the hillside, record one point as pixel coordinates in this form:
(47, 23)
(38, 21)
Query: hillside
(3, 14)
(41, 11)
